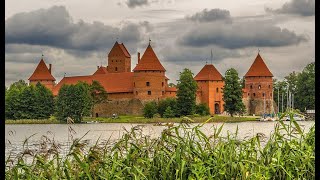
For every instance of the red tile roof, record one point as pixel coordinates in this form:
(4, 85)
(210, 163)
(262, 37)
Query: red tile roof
(41, 72)
(101, 70)
(171, 89)
(119, 47)
(208, 73)
(259, 68)
(112, 82)
(124, 50)
(149, 61)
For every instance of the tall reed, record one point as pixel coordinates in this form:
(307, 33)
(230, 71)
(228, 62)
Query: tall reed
(181, 152)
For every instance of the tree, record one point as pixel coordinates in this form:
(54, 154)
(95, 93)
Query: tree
(186, 94)
(202, 109)
(168, 113)
(74, 101)
(98, 94)
(165, 103)
(150, 109)
(44, 102)
(232, 93)
(305, 96)
(171, 85)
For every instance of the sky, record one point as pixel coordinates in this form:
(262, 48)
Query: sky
(76, 36)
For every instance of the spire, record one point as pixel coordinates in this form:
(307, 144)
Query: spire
(42, 56)
(41, 72)
(149, 41)
(149, 61)
(259, 68)
(208, 73)
(211, 56)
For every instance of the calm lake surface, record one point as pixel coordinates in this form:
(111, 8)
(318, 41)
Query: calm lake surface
(61, 133)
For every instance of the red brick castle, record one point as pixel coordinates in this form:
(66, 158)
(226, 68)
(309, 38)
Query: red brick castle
(129, 90)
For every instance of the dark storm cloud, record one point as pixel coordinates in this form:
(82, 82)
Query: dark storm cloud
(240, 35)
(136, 3)
(54, 27)
(210, 15)
(300, 7)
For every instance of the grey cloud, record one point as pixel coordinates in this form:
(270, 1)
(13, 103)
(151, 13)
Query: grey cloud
(210, 15)
(54, 27)
(300, 7)
(239, 35)
(136, 3)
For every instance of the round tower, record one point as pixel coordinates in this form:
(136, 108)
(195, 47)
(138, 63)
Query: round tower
(149, 79)
(258, 92)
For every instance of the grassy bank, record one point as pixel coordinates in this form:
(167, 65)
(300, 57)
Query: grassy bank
(139, 119)
(136, 119)
(180, 152)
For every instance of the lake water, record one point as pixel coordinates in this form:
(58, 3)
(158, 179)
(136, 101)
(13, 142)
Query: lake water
(62, 134)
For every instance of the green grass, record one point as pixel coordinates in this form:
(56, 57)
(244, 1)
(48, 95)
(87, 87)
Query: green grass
(135, 119)
(181, 152)
(139, 119)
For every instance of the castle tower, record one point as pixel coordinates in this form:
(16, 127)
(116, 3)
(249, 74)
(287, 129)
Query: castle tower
(149, 79)
(258, 91)
(210, 83)
(43, 75)
(119, 59)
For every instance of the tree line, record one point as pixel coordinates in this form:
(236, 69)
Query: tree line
(297, 88)
(23, 101)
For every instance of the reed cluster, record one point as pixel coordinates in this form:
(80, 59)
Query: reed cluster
(181, 152)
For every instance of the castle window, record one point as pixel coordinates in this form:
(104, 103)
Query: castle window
(136, 92)
(134, 84)
(259, 87)
(149, 92)
(116, 60)
(250, 86)
(248, 94)
(254, 94)
(162, 84)
(270, 94)
(217, 89)
(112, 60)
(147, 83)
(269, 86)
(116, 68)
(162, 92)
(262, 94)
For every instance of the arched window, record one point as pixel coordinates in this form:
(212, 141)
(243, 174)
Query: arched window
(259, 87)
(149, 92)
(262, 94)
(250, 86)
(248, 94)
(269, 86)
(217, 90)
(136, 92)
(134, 84)
(162, 84)
(147, 83)
(254, 94)
(116, 68)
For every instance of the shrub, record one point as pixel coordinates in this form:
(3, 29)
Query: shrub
(150, 109)
(168, 113)
(202, 109)
(165, 103)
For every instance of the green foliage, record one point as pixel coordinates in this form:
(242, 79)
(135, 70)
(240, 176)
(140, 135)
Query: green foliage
(165, 103)
(28, 102)
(98, 93)
(181, 152)
(168, 113)
(172, 85)
(186, 94)
(202, 109)
(232, 93)
(305, 96)
(150, 109)
(74, 101)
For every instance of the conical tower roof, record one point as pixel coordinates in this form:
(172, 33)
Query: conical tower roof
(41, 72)
(208, 73)
(115, 50)
(259, 68)
(101, 70)
(149, 61)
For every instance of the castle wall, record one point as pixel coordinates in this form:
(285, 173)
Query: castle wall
(47, 83)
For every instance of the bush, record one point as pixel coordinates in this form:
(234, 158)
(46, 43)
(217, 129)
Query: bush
(165, 103)
(202, 109)
(168, 113)
(150, 109)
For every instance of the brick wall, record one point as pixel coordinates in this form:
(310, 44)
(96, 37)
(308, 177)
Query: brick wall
(47, 83)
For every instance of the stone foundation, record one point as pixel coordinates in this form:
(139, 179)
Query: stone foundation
(119, 107)
(255, 106)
